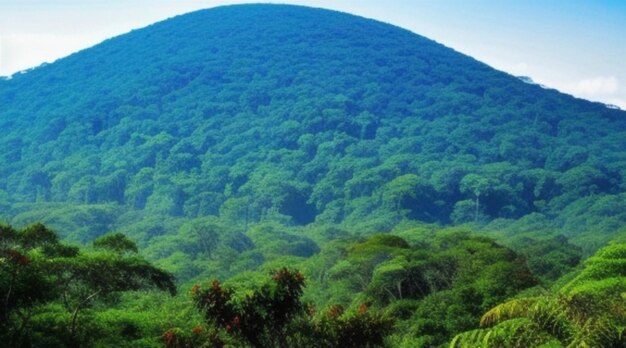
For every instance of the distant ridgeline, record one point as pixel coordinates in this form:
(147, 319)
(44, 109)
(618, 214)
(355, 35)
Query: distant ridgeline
(294, 115)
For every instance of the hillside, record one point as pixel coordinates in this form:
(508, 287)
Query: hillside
(229, 143)
(317, 117)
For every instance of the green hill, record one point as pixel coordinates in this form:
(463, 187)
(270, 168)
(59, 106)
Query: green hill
(232, 142)
(298, 115)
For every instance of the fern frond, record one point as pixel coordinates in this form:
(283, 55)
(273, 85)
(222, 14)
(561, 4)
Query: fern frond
(516, 308)
(470, 339)
(597, 332)
(513, 333)
(553, 316)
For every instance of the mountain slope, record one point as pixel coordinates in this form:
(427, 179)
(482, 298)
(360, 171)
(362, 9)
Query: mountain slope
(271, 112)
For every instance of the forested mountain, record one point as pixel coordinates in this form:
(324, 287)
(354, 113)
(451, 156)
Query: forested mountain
(244, 138)
(252, 111)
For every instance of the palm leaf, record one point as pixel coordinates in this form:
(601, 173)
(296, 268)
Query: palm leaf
(516, 308)
(513, 333)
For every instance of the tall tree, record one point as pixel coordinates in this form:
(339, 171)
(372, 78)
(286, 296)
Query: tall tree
(37, 269)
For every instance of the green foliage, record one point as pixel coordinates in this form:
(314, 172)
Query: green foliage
(549, 259)
(434, 287)
(337, 328)
(586, 312)
(48, 288)
(116, 242)
(260, 318)
(217, 144)
(382, 126)
(272, 315)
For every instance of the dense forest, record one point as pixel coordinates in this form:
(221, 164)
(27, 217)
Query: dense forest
(304, 177)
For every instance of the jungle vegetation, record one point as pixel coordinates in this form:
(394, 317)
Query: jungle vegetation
(271, 176)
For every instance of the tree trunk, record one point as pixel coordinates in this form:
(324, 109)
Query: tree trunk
(476, 213)
(75, 343)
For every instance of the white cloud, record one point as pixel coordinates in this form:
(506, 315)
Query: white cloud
(23, 51)
(604, 89)
(520, 68)
(619, 102)
(596, 86)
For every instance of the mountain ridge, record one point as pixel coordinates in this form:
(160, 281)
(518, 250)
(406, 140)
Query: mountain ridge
(310, 118)
(409, 187)
(235, 6)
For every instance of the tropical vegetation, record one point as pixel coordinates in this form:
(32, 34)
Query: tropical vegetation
(278, 176)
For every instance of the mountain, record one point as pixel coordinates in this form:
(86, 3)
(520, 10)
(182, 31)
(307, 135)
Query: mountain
(280, 113)
(393, 189)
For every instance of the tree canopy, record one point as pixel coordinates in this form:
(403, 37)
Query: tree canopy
(379, 177)
(41, 276)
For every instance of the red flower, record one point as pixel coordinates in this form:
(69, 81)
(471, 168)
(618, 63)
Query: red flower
(362, 308)
(235, 321)
(18, 257)
(23, 260)
(335, 311)
(215, 285)
(168, 337)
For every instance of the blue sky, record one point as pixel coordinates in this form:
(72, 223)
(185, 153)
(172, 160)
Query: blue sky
(576, 46)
